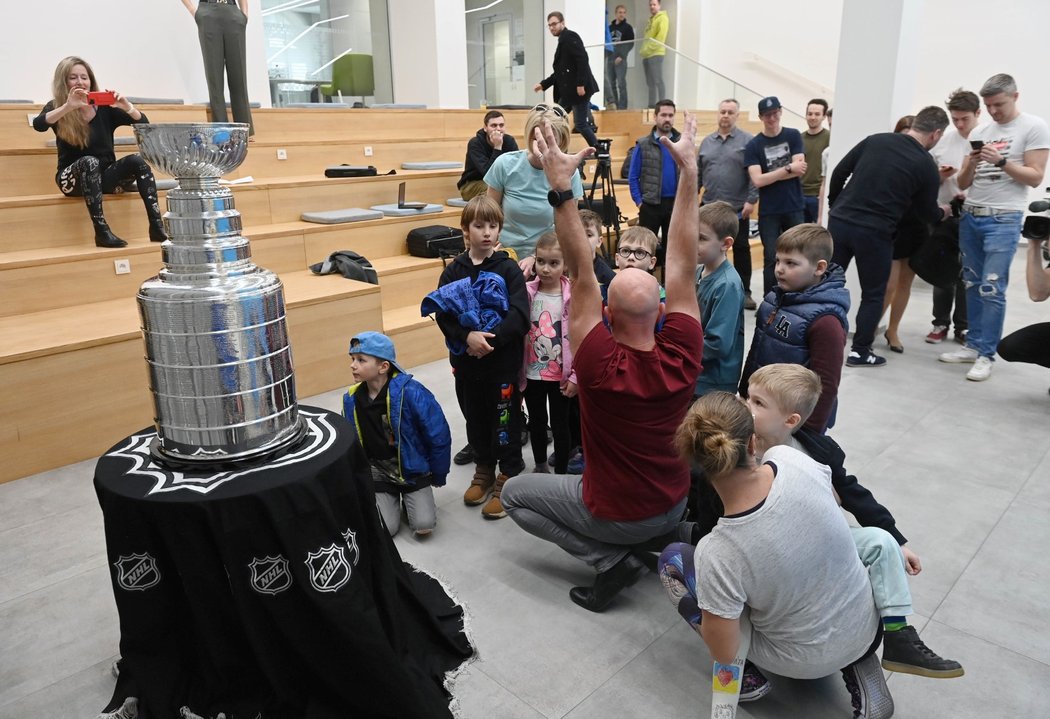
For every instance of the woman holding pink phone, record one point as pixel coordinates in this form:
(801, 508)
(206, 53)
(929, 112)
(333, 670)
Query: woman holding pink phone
(83, 121)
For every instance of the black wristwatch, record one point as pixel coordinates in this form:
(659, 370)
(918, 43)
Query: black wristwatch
(1001, 163)
(556, 198)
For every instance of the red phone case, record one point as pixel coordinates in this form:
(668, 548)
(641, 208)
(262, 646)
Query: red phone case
(103, 97)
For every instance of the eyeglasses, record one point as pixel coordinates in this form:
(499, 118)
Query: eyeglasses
(554, 23)
(556, 109)
(636, 252)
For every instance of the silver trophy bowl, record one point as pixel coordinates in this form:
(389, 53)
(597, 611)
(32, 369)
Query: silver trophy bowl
(214, 326)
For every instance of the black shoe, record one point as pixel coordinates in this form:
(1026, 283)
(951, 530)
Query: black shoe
(465, 455)
(105, 238)
(608, 584)
(903, 651)
(156, 232)
(864, 359)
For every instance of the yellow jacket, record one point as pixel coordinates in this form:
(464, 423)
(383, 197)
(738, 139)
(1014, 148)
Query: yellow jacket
(655, 29)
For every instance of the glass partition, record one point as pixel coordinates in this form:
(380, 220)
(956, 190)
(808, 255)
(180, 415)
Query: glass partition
(504, 52)
(327, 51)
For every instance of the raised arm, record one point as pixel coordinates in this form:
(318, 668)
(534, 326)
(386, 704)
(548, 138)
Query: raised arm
(575, 248)
(682, 234)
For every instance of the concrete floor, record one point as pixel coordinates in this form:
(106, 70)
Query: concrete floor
(964, 466)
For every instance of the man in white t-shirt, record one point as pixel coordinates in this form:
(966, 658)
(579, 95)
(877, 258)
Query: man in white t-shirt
(997, 173)
(964, 108)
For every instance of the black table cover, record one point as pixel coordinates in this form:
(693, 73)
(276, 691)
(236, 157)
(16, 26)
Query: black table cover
(270, 590)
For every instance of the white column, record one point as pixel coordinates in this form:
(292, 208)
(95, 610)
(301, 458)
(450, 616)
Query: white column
(428, 52)
(877, 65)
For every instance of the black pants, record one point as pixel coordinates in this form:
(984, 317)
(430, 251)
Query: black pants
(1029, 344)
(943, 299)
(539, 394)
(492, 411)
(657, 218)
(874, 253)
(742, 253)
(87, 177)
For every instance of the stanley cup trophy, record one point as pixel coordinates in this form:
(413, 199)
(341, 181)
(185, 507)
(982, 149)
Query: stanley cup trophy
(213, 322)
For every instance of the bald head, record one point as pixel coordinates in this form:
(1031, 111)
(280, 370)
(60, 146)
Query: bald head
(634, 298)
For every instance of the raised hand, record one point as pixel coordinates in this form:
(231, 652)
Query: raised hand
(558, 166)
(684, 151)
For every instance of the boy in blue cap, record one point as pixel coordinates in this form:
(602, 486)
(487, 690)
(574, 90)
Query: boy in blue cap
(402, 430)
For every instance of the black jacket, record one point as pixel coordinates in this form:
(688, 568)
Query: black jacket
(504, 363)
(481, 155)
(571, 70)
(856, 499)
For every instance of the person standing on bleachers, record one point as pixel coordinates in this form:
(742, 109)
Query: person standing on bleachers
(220, 29)
(87, 165)
(489, 143)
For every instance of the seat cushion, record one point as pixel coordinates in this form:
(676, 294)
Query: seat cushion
(433, 165)
(392, 210)
(335, 217)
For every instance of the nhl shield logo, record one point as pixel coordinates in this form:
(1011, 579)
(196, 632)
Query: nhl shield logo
(270, 575)
(329, 569)
(137, 573)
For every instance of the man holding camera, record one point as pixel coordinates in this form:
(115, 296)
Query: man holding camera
(653, 175)
(1007, 157)
(489, 143)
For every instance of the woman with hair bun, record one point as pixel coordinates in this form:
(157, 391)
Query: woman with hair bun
(783, 554)
(87, 165)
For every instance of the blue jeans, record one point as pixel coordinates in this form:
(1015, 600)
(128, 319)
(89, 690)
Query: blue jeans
(584, 121)
(616, 82)
(812, 207)
(988, 245)
(769, 229)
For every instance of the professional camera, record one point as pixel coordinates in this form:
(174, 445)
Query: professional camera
(1037, 227)
(604, 148)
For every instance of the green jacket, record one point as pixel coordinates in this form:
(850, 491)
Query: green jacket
(655, 29)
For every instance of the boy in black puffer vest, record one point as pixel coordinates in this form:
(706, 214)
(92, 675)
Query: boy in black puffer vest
(803, 319)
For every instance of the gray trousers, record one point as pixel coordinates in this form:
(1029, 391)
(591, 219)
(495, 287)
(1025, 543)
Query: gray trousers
(221, 32)
(550, 506)
(419, 505)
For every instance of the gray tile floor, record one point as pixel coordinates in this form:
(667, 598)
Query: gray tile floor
(965, 467)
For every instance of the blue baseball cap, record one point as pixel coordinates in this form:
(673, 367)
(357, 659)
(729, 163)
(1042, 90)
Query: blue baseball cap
(377, 345)
(768, 104)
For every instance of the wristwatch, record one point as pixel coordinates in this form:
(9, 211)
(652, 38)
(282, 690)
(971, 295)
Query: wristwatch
(788, 168)
(1001, 163)
(556, 198)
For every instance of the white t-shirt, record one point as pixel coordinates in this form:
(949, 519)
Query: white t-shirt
(951, 150)
(526, 212)
(991, 186)
(794, 564)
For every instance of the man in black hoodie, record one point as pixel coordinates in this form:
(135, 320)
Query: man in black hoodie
(572, 79)
(489, 143)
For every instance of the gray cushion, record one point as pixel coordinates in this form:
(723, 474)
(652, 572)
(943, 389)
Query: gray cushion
(319, 105)
(393, 210)
(456, 202)
(433, 165)
(397, 106)
(156, 101)
(123, 140)
(335, 217)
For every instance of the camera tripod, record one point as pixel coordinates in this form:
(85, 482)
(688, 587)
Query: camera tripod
(607, 209)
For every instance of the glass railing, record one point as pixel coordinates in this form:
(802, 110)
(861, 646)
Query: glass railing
(687, 81)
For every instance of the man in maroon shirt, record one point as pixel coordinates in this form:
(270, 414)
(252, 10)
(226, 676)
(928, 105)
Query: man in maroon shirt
(634, 388)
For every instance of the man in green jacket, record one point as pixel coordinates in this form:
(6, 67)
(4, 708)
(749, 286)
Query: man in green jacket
(653, 51)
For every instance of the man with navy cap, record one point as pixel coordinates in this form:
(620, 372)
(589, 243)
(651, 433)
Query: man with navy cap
(775, 161)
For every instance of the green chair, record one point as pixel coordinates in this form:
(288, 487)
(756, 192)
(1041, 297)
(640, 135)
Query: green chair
(352, 76)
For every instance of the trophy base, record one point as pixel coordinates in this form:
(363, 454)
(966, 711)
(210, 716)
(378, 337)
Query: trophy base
(213, 463)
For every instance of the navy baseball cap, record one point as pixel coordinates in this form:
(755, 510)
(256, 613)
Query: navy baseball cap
(768, 104)
(375, 344)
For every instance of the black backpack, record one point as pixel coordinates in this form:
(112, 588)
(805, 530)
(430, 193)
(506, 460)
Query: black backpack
(349, 264)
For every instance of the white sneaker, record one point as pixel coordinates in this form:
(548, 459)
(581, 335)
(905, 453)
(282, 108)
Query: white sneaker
(981, 370)
(959, 356)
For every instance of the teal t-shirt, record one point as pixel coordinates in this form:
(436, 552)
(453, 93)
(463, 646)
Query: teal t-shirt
(721, 298)
(526, 212)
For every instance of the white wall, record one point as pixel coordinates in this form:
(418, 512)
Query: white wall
(144, 49)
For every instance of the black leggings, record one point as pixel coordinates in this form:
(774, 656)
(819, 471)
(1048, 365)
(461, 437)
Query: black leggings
(1029, 344)
(538, 393)
(87, 177)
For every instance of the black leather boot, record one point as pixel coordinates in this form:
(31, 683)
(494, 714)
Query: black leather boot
(608, 584)
(104, 237)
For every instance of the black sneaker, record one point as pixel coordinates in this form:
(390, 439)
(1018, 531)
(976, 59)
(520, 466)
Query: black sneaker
(867, 689)
(754, 685)
(864, 359)
(465, 455)
(903, 651)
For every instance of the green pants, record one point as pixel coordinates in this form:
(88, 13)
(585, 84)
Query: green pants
(221, 32)
(472, 189)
